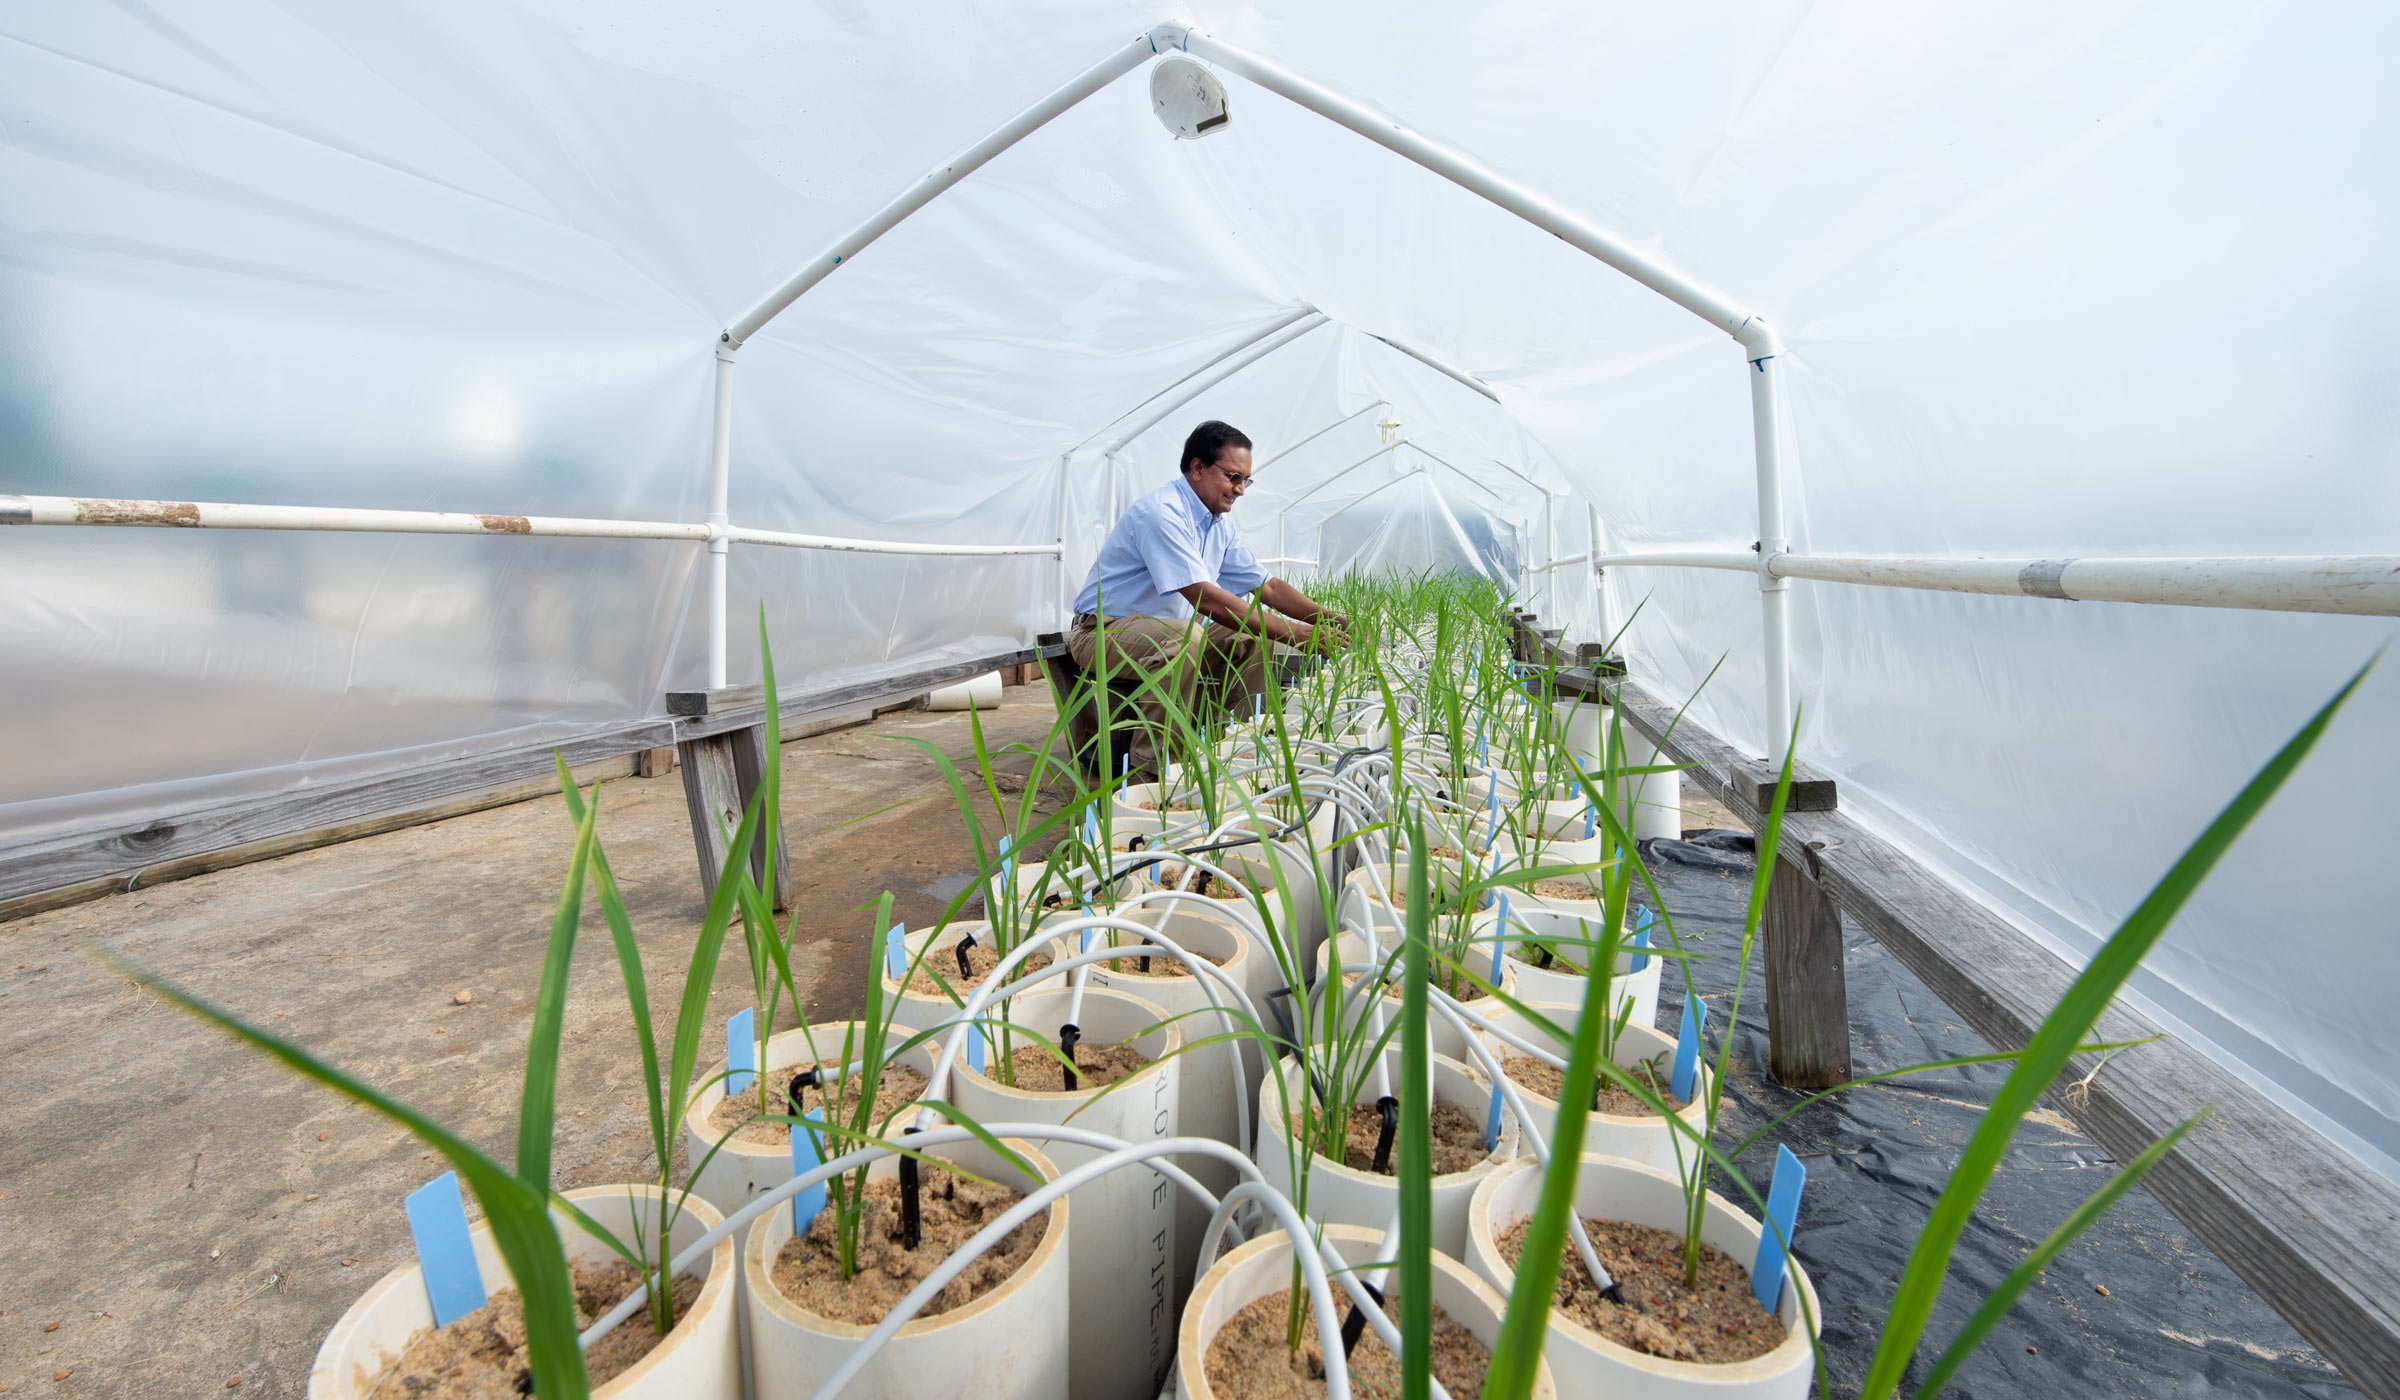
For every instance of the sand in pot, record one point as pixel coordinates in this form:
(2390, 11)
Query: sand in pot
(1568, 887)
(1543, 1078)
(1457, 1139)
(951, 1209)
(1160, 965)
(1247, 1359)
(1096, 1067)
(482, 1355)
(1716, 1323)
(981, 958)
(896, 1088)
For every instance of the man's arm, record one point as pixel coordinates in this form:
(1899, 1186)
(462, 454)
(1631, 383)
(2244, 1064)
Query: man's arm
(1220, 605)
(1290, 601)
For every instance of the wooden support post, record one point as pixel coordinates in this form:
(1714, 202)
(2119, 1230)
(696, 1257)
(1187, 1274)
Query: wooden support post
(720, 774)
(654, 763)
(1808, 998)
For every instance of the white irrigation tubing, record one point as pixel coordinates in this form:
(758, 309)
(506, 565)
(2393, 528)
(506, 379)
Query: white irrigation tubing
(931, 1137)
(1443, 1003)
(954, 1045)
(1455, 1012)
(1337, 1376)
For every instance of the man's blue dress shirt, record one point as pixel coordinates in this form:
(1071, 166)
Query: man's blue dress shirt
(1168, 540)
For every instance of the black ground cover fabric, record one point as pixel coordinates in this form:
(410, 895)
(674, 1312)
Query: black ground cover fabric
(2174, 1322)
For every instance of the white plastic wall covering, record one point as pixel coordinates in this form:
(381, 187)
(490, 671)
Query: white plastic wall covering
(331, 317)
(1224, 369)
(1469, 174)
(1436, 363)
(1283, 514)
(1458, 532)
(1460, 472)
(929, 187)
(1282, 453)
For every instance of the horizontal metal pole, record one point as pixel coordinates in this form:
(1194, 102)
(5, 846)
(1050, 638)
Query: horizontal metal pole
(2365, 585)
(1743, 561)
(742, 534)
(2357, 584)
(214, 515)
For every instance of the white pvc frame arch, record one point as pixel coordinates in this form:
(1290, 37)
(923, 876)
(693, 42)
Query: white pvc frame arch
(1759, 345)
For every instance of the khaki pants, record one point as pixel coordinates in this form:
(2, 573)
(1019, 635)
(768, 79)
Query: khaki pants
(1209, 670)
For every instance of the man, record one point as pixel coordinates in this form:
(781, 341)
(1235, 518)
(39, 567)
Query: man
(1172, 579)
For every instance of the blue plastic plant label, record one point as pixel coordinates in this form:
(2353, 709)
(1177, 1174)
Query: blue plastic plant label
(1687, 1047)
(741, 1052)
(1491, 1119)
(437, 1221)
(1591, 822)
(1783, 1212)
(1499, 934)
(895, 952)
(807, 1203)
(975, 1049)
(1642, 919)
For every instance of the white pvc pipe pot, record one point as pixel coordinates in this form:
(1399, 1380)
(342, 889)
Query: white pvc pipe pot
(1361, 959)
(1263, 1267)
(739, 1172)
(1121, 1262)
(1010, 1342)
(1528, 981)
(1341, 1194)
(977, 693)
(927, 1011)
(1644, 1138)
(700, 1359)
(1210, 1103)
(1591, 1367)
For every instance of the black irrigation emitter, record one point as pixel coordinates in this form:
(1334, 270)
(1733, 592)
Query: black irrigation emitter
(1389, 1107)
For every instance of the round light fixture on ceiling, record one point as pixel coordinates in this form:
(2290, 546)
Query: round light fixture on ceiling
(1187, 97)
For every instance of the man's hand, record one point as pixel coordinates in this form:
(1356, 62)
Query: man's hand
(1331, 632)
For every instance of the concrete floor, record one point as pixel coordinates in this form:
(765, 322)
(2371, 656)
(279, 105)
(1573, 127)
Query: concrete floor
(189, 1217)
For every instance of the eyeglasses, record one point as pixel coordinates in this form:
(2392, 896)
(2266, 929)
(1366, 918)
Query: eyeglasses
(1239, 481)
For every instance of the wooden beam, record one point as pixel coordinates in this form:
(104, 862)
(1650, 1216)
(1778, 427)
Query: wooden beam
(225, 858)
(703, 712)
(118, 851)
(1808, 993)
(721, 773)
(66, 867)
(2300, 1220)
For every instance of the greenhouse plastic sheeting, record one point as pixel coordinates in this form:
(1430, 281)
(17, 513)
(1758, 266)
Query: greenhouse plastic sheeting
(2053, 280)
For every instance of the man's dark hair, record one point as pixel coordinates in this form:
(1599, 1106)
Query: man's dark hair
(1209, 441)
